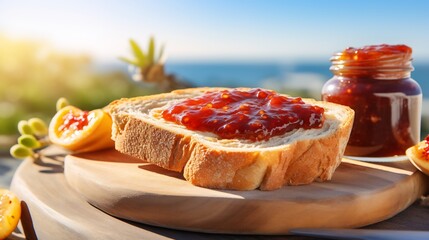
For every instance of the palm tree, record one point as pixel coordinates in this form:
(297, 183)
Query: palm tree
(148, 67)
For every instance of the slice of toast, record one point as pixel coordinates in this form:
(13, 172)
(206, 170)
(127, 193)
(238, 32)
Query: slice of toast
(294, 158)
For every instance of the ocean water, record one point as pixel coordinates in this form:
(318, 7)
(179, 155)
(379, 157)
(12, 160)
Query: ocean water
(291, 76)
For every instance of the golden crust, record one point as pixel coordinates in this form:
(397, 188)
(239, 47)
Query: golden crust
(300, 162)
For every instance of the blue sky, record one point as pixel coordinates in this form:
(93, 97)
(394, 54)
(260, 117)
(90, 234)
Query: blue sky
(220, 29)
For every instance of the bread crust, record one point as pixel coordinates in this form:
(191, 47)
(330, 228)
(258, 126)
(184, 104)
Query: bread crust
(299, 162)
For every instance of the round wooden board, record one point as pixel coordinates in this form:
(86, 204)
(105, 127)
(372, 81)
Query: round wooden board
(58, 212)
(359, 194)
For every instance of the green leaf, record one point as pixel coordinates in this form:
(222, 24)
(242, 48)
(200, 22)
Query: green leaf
(132, 62)
(138, 53)
(151, 51)
(161, 52)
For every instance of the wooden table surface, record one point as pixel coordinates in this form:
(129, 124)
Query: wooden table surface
(414, 217)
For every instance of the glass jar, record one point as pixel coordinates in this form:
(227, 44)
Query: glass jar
(375, 81)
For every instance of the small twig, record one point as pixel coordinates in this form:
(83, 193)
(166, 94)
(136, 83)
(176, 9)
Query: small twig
(27, 222)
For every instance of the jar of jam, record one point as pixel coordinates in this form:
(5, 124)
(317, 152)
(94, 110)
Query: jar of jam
(375, 81)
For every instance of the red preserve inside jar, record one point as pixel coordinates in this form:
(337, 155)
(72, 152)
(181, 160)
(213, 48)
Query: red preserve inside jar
(254, 114)
(375, 82)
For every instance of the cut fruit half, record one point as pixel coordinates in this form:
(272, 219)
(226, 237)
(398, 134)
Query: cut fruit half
(81, 131)
(10, 212)
(416, 156)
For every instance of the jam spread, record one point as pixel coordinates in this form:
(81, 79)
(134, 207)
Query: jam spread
(75, 122)
(254, 114)
(375, 82)
(375, 52)
(375, 61)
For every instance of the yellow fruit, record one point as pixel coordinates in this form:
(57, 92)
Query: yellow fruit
(10, 212)
(38, 126)
(61, 103)
(20, 152)
(81, 131)
(29, 141)
(24, 127)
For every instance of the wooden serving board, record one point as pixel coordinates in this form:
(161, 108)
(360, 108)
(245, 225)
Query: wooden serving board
(359, 194)
(56, 211)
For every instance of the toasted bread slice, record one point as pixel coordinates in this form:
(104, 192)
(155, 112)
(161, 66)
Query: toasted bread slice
(297, 157)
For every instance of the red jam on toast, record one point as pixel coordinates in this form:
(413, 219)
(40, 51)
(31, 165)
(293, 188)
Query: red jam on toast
(254, 114)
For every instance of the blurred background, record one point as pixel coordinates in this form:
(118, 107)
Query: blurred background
(51, 49)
